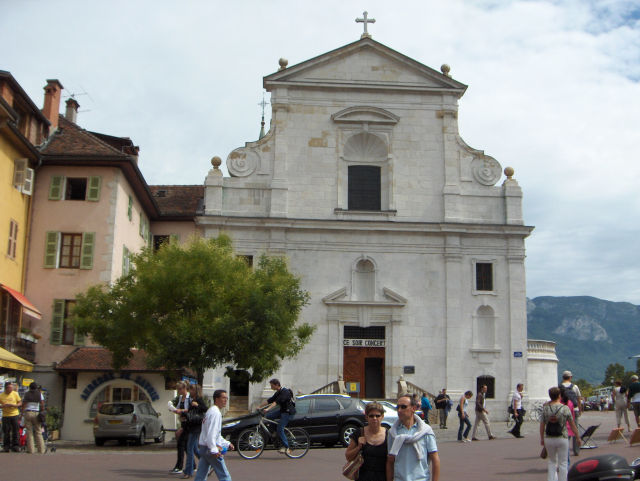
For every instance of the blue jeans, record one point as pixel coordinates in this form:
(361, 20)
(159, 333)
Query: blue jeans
(284, 420)
(463, 421)
(207, 459)
(192, 450)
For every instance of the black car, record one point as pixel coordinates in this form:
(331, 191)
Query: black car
(327, 418)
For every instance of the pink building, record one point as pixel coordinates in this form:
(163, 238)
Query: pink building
(92, 208)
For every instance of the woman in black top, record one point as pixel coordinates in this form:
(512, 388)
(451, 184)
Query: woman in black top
(371, 442)
(195, 416)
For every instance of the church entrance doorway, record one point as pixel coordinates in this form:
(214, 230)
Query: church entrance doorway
(365, 365)
(363, 359)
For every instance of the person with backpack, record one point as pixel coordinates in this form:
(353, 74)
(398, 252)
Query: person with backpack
(284, 398)
(554, 437)
(573, 392)
(619, 396)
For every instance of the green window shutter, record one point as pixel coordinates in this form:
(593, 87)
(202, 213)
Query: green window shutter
(141, 225)
(57, 321)
(174, 239)
(55, 187)
(93, 191)
(86, 259)
(125, 260)
(51, 250)
(130, 208)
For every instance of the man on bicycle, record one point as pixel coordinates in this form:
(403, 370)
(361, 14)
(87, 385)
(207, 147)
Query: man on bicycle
(283, 397)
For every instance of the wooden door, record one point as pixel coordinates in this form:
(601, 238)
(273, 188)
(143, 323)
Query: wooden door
(354, 367)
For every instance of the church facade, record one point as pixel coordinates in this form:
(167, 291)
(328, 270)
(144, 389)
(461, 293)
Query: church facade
(410, 242)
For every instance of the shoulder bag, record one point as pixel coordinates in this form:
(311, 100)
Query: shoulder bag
(351, 469)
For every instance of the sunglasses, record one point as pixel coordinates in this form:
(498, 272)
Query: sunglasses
(402, 406)
(374, 415)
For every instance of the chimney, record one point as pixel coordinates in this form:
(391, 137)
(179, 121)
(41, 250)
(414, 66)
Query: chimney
(71, 113)
(52, 94)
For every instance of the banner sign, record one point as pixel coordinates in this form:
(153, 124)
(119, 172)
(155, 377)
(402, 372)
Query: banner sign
(364, 342)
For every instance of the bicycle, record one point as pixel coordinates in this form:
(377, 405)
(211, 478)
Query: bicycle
(253, 440)
(536, 413)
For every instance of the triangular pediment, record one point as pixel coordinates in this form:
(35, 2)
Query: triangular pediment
(364, 64)
(340, 297)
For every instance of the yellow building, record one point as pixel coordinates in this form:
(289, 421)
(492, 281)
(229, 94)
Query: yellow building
(22, 127)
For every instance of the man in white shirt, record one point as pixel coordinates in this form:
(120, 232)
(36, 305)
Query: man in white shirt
(211, 444)
(518, 414)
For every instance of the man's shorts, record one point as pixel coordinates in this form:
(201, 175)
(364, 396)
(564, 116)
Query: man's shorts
(636, 409)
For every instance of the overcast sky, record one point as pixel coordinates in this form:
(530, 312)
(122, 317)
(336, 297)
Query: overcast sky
(554, 92)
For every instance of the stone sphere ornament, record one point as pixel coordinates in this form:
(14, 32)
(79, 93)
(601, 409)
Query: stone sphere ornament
(508, 171)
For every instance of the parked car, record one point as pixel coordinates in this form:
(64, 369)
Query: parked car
(127, 420)
(327, 418)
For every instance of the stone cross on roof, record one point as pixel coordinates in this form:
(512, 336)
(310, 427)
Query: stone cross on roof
(365, 20)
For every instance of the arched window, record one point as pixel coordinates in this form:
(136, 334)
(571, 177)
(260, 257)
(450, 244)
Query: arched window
(364, 281)
(365, 154)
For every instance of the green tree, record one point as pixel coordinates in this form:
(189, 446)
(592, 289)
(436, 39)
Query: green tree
(626, 379)
(198, 306)
(586, 389)
(613, 372)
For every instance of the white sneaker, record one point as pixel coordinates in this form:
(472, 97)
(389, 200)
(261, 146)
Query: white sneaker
(467, 440)
(282, 450)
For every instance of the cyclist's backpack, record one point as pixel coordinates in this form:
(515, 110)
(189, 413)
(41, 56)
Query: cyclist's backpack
(553, 428)
(292, 401)
(571, 395)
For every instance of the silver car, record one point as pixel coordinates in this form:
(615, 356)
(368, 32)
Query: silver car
(127, 420)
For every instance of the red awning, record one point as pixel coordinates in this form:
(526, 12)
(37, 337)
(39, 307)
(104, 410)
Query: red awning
(27, 307)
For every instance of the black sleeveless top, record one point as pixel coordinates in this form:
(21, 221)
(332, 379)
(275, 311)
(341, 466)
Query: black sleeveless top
(375, 459)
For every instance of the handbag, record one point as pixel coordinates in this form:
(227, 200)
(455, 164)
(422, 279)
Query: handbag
(543, 453)
(194, 418)
(350, 470)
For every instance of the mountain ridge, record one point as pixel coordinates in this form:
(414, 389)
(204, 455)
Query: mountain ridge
(590, 333)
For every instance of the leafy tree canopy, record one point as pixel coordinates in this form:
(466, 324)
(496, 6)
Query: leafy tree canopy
(198, 306)
(613, 372)
(586, 389)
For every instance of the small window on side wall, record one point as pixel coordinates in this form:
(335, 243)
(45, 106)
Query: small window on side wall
(488, 381)
(247, 258)
(484, 276)
(76, 188)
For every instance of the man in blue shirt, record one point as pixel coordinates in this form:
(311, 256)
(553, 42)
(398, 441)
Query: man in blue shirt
(412, 446)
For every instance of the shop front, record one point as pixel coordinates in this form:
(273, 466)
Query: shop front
(89, 381)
